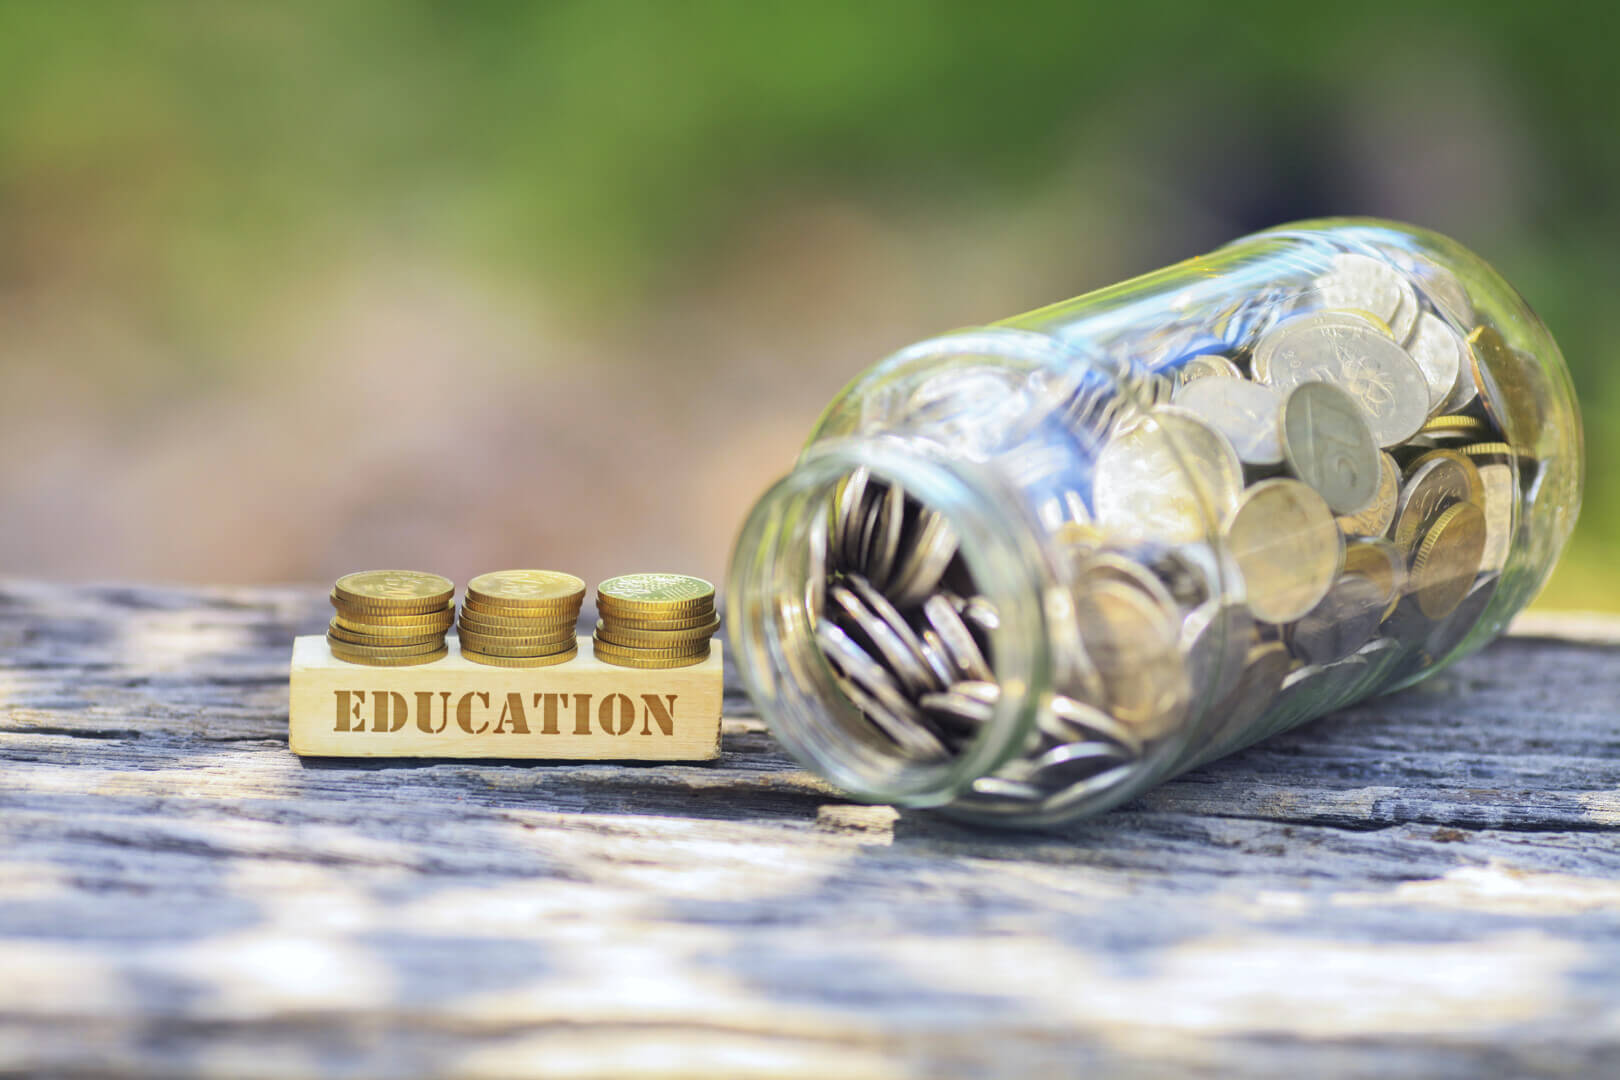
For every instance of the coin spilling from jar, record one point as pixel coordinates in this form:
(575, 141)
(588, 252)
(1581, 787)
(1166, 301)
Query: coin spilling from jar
(1306, 497)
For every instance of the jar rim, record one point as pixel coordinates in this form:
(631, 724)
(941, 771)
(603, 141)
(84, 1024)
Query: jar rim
(783, 670)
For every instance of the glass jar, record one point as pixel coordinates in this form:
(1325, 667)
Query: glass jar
(1025, 572)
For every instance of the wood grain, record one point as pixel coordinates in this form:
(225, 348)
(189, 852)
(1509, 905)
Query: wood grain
(1428, 884)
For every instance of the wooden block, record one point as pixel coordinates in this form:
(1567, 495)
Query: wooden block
(454, 708)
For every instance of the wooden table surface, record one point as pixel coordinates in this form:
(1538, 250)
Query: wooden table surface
(1429, 884)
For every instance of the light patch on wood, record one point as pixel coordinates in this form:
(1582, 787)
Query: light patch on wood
(1602, 806)
(1256, 984)
(1497, 889)
(874, 823)
(42, 979)
(261, 974)
(674, 1055)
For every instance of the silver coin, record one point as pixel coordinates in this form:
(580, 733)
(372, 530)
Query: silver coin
(1063, 719)
(1133, 642)
(1329, 446)
(1369, 366)
(890, 518)
(1245, 412)
(1204, 366)
(930, 556)
(965, 709)
(1112, 566)
(960, 648)
(874, 693)
(1377, 516)
(935, 656)
(905, 663)
(1345, 619)
(1171, 477)
(851, 516)
(1438, 352)
(1364, 283)
(918, 671)
(1280, 334)
(1233, 719)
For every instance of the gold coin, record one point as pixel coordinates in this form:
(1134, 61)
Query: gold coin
(654, 595)
(685, 622)
(409, 636)
(548, 620)
(608, 648)
(510, 610)
(1443, 569)
(615, 634)
(381, 650)
(512, 646)
(537, 631)
(1287, 545)
(520, 661)
(624, 661)
(1454, 425)
(394, 591)
(373, 622)
(1433, 482)
(1486, 449)
(526, 589)
(437, 618)
(1379, 515)
(391, 661)
(1513, 386)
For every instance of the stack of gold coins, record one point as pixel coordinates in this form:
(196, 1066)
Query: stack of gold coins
(390, 618)
(654, 620)
(521, 618)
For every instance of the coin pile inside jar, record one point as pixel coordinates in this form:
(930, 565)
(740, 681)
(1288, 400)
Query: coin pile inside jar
(654, 620)
(390, 618)
(521, 618)
(1274, 510)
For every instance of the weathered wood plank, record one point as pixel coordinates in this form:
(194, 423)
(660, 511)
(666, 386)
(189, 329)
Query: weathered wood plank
(1426, 884)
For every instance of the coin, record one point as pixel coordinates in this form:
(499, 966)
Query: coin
(1379, 561)
(528, 590)
(1329, 446)
(1245, 412)
(871, 689)
(885, 635)
(684, 622)
(652, 595)
(653, 639)
(1169, 477)
(1456, 627)
(406, 660)
(1433, 482)
(1459, 427)
(1497, 480)
(1367, 365)
(344, 634)
(1364, 283)
(1379, 515)
(1445, 564)
(394, 591)
(1317, 321)
(1234, 716)
(474, 639)
(507, 647)
(1343, 621)
(889, 523)
(354, 649)
(487, 623)
(658, 653)
(1287, 546)
(1510, 384)
(438, 617)
(1133, 643)
(1438, 353)
(383, 630)
(1204, 366)
(549, 660)
(961, 651)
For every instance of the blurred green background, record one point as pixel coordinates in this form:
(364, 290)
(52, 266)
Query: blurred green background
(288, 289)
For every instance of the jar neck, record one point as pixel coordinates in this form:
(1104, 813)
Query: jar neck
(772, 629)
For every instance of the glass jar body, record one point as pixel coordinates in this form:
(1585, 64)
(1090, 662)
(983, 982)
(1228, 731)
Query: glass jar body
(1025, 572)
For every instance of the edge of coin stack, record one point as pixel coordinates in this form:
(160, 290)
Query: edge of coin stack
(390, 618)
(521, 618)
(654, 621)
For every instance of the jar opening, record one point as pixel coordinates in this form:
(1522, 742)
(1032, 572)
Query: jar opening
(790, 653)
